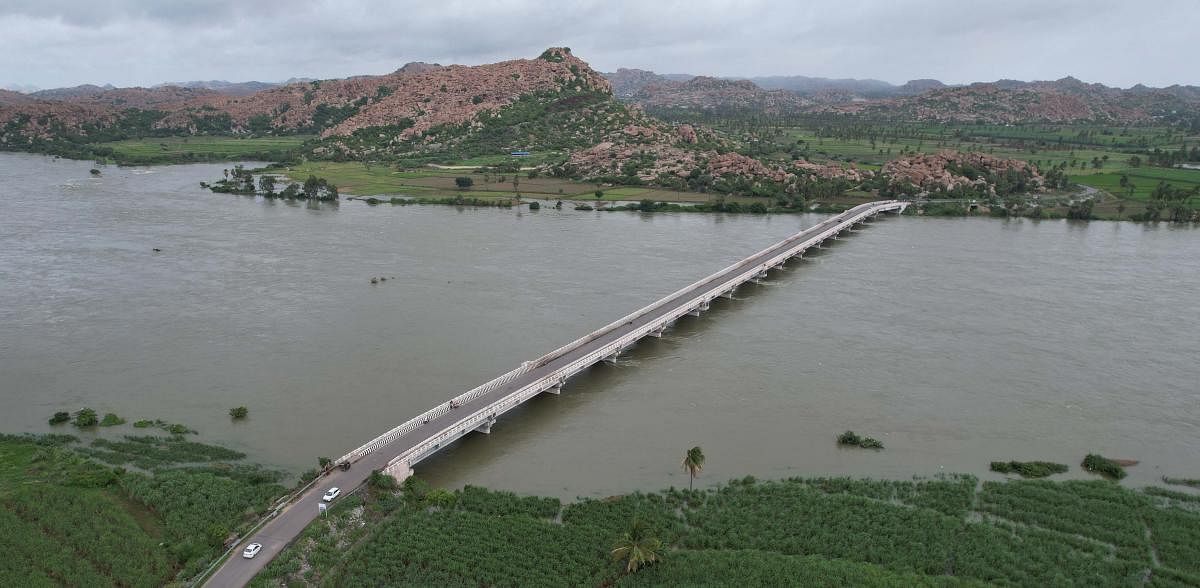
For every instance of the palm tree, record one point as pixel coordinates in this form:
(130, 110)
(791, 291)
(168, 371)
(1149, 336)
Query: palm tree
(637, 547)
(693, 462)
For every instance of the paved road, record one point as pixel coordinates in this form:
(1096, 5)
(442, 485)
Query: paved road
(288, 525)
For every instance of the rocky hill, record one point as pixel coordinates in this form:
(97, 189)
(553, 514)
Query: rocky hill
(705, 93)
(223, 87)
(1066, 100)
(628, 82)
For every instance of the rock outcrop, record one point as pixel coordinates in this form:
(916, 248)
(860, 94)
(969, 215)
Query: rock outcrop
(950, 170)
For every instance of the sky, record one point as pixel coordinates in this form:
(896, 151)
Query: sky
(55, 43)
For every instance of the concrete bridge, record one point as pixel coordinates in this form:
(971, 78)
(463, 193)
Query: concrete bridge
(478, 410)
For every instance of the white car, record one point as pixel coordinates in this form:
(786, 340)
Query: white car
(252, 550)
(331, 494)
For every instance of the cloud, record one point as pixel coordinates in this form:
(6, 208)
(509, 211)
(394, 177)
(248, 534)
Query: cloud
(142, 42)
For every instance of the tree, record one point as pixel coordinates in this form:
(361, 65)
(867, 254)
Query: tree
(378, 481)
(291, 191)
(463, 182)
(637, 547)
(239, 412)
(86, 417)
(693, 462)
(324, 462)
(312, 185)
(60, 417)
(267, 185)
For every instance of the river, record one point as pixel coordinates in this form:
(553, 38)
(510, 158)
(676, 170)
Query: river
(954, 341)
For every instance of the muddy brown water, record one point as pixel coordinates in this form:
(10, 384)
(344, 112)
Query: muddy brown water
(954, 341)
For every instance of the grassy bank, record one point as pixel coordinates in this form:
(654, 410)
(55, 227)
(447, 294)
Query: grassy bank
(827, 532)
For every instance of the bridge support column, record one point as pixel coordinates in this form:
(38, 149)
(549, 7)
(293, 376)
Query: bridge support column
(612, 358)
(658, 332)
(729, 293)
(486, 426)
(399, 470)
(557, 387)
(699, 309)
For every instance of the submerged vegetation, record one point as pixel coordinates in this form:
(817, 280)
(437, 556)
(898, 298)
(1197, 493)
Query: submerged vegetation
(1029, 469)
(1102, 465)
(851, 439)
(946, 531)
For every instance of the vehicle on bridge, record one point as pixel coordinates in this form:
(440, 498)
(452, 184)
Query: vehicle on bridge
(252, 550)
(331, 494)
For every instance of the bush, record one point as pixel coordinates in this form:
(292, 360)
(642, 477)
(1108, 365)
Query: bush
(1098, 464)
(1028, 469)
(60, 418)
(534, 205)
(111, 420)
(309, 475)
(852, 439)
(239, 412)
(86, 417)
(463, 182)
(870, 443)
(143, 424)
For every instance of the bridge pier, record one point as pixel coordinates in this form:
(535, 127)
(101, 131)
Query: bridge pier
(658, 333)
(699, 309)
(486, 427)
(399, 470)
(612, 358)
(557, 387)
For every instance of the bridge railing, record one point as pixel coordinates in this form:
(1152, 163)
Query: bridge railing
(414, 454)
(658, 303)
(832, 224)
(433, 413)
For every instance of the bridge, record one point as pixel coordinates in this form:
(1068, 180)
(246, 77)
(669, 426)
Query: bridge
(478, 410)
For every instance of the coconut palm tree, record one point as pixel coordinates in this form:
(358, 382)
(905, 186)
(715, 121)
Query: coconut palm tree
(693, 462)
(637, 547)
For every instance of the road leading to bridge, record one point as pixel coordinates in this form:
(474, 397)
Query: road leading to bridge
(397, 450)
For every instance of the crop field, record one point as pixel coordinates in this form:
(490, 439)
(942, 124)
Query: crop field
(201, 148)
(68, 520)
(945, 531)
(377, 179)
(1143, 181)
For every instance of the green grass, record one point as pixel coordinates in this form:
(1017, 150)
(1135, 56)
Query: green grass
(202, 148)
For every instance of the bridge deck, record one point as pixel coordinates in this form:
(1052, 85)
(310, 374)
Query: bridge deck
(399, 449)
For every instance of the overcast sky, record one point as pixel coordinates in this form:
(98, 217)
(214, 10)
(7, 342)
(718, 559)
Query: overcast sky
(51, 43)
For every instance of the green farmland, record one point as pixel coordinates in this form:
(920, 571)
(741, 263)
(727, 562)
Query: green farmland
(946, 531)
(361, 179)
(201, 148)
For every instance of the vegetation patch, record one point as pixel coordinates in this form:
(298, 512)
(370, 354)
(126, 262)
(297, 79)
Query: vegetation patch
(944, 531)
(1098, 464)
(851, 439)
(68, 520)
(1190, 482)
(1029, 469)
